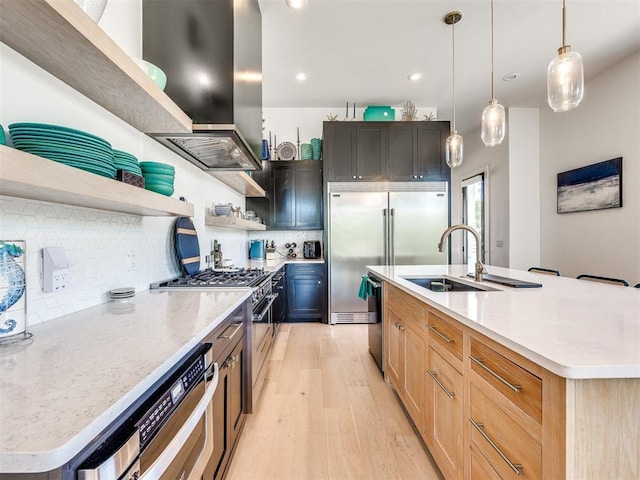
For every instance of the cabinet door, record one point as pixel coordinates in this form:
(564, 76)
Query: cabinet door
(236, 390)
(403, 154)
(339, 151)
(414, 378)
(221, 435)
(306, 297)
(445, 414)
(371, 151)
(431, 141)
(308, 196)
(282, 201)
(395, 349)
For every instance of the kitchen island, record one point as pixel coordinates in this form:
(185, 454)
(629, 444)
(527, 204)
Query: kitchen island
(517, 382)
(82, 370)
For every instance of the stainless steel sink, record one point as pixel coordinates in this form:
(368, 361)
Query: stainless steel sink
(443, 283)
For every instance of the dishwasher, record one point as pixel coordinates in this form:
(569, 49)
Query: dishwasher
(376, 328)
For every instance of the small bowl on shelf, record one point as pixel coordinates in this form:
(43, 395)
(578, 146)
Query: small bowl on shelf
(222, 210)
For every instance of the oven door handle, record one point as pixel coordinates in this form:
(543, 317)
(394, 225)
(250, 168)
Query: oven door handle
(272, 298)
(175, 445)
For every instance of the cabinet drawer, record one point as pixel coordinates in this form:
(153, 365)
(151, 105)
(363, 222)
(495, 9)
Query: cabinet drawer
(480, 467)
(445, 333)
(521, 387)
(410, 309)
(509, 449)
(305, 269)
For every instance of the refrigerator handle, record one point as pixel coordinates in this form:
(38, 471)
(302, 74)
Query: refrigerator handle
(392, 240)
(385, 234)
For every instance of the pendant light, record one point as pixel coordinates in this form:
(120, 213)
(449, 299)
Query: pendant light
(565, 75)
(493, 118)
(454, 146)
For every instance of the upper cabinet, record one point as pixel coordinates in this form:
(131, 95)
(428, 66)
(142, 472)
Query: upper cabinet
(379, 151)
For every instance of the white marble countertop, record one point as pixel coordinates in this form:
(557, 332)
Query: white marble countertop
(84, 369)
(574, 328)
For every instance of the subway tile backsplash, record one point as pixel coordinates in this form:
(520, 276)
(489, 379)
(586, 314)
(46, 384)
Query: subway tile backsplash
(282, 237)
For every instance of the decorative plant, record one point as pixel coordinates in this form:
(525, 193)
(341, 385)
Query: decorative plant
(429, 118)
(332, 118)
(409, 111)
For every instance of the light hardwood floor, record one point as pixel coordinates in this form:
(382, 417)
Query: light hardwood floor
(326, 413)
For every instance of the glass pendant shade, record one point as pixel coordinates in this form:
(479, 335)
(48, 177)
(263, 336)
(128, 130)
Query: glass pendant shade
(565, 80)
(454, 150)
(493, 124)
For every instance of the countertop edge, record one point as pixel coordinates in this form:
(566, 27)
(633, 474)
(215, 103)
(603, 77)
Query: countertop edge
(50, 460)
(564, 371)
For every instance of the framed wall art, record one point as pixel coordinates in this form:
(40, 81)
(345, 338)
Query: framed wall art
(594, 187)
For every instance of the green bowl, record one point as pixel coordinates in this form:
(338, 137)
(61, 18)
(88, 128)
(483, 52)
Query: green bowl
(159, 188)
(156, 177)
(3, 138)
(153, 72)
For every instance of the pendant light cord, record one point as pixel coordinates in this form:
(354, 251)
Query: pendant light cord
(564, 22)
(493, 87)
(453, 33)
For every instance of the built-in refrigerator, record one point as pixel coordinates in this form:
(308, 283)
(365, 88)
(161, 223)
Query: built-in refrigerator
(380, 224)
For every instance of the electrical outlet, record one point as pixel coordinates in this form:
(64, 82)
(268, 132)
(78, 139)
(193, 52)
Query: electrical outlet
(133, 261)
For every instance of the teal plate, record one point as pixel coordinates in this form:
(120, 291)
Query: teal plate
(163, 189)
(156, 165)
(46, 141)
(3, 138)
(77, 156)
(157, 171)
(79, 161)
(156, 177)
(66, 151)
(87, 168)
(55, 128)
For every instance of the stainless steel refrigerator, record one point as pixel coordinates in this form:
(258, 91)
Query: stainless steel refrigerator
(380, 224)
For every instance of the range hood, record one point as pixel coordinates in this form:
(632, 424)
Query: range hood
(211, 52)
(212, 147)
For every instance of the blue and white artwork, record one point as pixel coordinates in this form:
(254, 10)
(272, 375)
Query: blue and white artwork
(593, 187)
(12, 288)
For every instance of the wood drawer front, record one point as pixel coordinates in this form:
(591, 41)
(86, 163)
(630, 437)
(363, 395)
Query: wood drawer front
(508, 437)
(446, 334)
(528, 396)
(445, 414)
(409, 308)
(480, 467)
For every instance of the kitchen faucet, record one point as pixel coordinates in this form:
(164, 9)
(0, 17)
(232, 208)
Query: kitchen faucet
(479, 266)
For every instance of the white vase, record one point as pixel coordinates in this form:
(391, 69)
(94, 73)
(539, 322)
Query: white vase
(93, 8)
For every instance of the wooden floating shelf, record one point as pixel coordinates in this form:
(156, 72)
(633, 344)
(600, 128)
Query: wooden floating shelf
(240, 182)
(233, 222)
(59, 37)
(28, 176)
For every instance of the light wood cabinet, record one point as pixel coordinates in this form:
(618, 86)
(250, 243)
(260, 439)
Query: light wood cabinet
(486, 412)
(405, 358)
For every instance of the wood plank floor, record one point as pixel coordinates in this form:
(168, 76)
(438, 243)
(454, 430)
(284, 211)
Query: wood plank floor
(325, 412)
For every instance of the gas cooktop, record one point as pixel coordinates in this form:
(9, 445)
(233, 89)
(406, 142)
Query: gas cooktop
(217, 278)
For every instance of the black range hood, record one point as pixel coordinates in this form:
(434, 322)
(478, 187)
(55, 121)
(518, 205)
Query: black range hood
(211, 51)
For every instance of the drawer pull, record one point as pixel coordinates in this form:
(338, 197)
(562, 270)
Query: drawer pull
(434, 375)
(433, 329)
(517, 468)
(235, 326)
(515, 388)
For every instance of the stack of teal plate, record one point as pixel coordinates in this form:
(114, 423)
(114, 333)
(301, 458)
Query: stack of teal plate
(65, 145)
(316, 148)
(126, 161)
(158, 177)
(306, 151)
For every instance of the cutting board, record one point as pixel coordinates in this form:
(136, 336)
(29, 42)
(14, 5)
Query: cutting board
(187, 246)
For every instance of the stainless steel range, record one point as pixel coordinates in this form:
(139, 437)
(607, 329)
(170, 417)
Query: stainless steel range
(262, 298)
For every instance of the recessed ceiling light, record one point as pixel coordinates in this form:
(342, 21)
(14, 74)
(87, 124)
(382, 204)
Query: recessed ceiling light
(295, 3)
(507, 77)
(301, 76)
(414, 77)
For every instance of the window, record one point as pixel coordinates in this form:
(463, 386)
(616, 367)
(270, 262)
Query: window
(473, 214)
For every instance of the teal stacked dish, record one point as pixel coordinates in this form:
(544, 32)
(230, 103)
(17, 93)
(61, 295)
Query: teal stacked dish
(68, 146)
(3, 138)
(306, 152)
(158, 177)
(316, 148)
(126, 161)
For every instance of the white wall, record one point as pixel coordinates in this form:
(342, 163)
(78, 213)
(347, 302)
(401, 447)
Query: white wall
(605, 125)
(98, 243)
(495, 160)
(524, 188)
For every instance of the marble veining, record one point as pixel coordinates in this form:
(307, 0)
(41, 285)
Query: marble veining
(573, 328)
(84, 369)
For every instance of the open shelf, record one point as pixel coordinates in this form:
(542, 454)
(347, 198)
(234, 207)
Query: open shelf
(59, 37)
(240, 182)
(233, 222)
(28, 176)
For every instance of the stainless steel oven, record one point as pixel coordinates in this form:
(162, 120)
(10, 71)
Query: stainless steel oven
(169, 436)
(263, 331)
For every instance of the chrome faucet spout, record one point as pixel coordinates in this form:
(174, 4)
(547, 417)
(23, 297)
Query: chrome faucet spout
(479, 267)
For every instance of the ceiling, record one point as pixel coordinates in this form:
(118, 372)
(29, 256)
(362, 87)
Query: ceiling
(363, 50)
